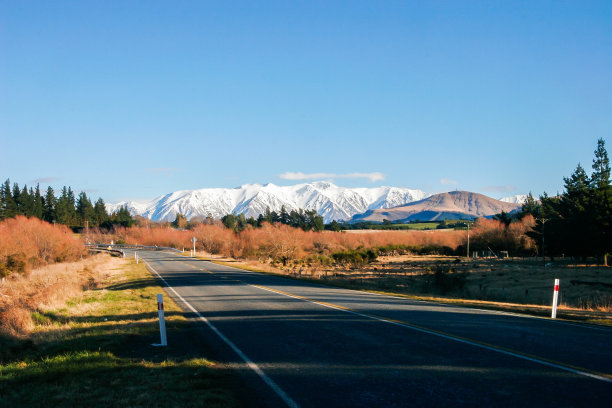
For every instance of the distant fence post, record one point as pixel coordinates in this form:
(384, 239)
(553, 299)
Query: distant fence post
(162, 321)
(555, 299)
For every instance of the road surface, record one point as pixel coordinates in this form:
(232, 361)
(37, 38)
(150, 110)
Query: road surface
(307, 345)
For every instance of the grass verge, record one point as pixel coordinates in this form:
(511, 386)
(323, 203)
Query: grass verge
(96, 351)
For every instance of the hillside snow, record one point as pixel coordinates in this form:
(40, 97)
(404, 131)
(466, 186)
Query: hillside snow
(330, 201)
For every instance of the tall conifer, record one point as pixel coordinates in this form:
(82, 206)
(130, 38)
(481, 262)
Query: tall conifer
(49, 213)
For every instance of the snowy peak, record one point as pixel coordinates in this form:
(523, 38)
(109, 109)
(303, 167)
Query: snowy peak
(330, 201)
(515, 199)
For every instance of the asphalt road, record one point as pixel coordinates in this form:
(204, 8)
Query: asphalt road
(301, 344)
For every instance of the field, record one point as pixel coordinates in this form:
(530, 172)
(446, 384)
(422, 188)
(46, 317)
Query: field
(510, 284)
(93, 348)
(432, 225)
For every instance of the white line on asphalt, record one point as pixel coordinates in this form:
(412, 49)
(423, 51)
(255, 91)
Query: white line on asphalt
(423, 330)
(445, 336)
(278, 390)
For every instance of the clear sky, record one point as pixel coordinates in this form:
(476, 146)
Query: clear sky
(134, 99)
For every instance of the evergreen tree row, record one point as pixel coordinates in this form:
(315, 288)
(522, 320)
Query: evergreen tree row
(308, 220)
(579, 221)
(68, 209)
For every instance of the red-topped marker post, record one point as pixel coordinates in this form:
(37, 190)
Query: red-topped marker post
(555, 299)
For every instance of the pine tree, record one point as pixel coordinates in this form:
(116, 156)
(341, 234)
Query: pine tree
(26, 202)
(601, 196)
(72, 215)
(10, 206)
(62, 210)
(123, 217)
(100, 214)
(49, 206)
(84, 210)
(2, 201)
(579, 221)
(17, 200)
(38, 203)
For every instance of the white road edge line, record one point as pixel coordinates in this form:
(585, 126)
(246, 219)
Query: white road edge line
(278, 390)
(448, 337)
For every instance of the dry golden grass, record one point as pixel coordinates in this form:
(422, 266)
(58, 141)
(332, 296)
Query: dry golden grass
(94, 349)
(48, 287)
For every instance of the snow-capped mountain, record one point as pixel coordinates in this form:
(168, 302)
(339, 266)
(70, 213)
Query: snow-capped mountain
(515, 199)
(330, 201)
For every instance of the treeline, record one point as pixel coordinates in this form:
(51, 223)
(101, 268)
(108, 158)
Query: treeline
(578, 222)
(74, 211)
(398, 226)
(307, 220)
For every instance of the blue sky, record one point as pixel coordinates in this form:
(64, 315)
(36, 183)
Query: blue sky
(133, 99)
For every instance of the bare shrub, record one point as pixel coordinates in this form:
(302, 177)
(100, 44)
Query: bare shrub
(16, 321)
(496, 235)
(27, 243)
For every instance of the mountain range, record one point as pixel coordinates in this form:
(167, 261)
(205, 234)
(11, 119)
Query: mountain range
(445, 206)
(330, 201)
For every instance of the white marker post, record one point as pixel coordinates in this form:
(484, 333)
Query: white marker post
(162, 322)
(194, 241)
(136, 256)
(555, 299)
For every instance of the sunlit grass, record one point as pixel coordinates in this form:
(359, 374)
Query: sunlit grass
(96, 351)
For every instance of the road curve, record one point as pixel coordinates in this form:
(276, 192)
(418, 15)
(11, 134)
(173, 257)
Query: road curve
(301, 344)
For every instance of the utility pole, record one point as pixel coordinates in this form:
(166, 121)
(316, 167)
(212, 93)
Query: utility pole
(468, 240)
(543, 228)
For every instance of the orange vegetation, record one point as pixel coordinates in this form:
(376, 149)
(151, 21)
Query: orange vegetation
(27, 243)
(278, 241)
(496, 235)
(47, 288)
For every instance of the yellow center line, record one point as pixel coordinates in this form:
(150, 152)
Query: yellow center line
(500, 349)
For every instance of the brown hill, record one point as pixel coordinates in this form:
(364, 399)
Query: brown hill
(444, 206)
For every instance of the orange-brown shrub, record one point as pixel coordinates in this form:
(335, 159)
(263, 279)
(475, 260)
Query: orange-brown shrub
(497, 236)
(280, 242)
(27, 243)
(215, 239)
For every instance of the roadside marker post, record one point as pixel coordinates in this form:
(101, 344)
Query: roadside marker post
(555, 299)
(136, 256)
(194, 241)
(162, 322)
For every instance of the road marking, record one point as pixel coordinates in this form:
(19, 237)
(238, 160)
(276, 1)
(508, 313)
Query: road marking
(278, 390)
(498, 349)
(539, 360)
